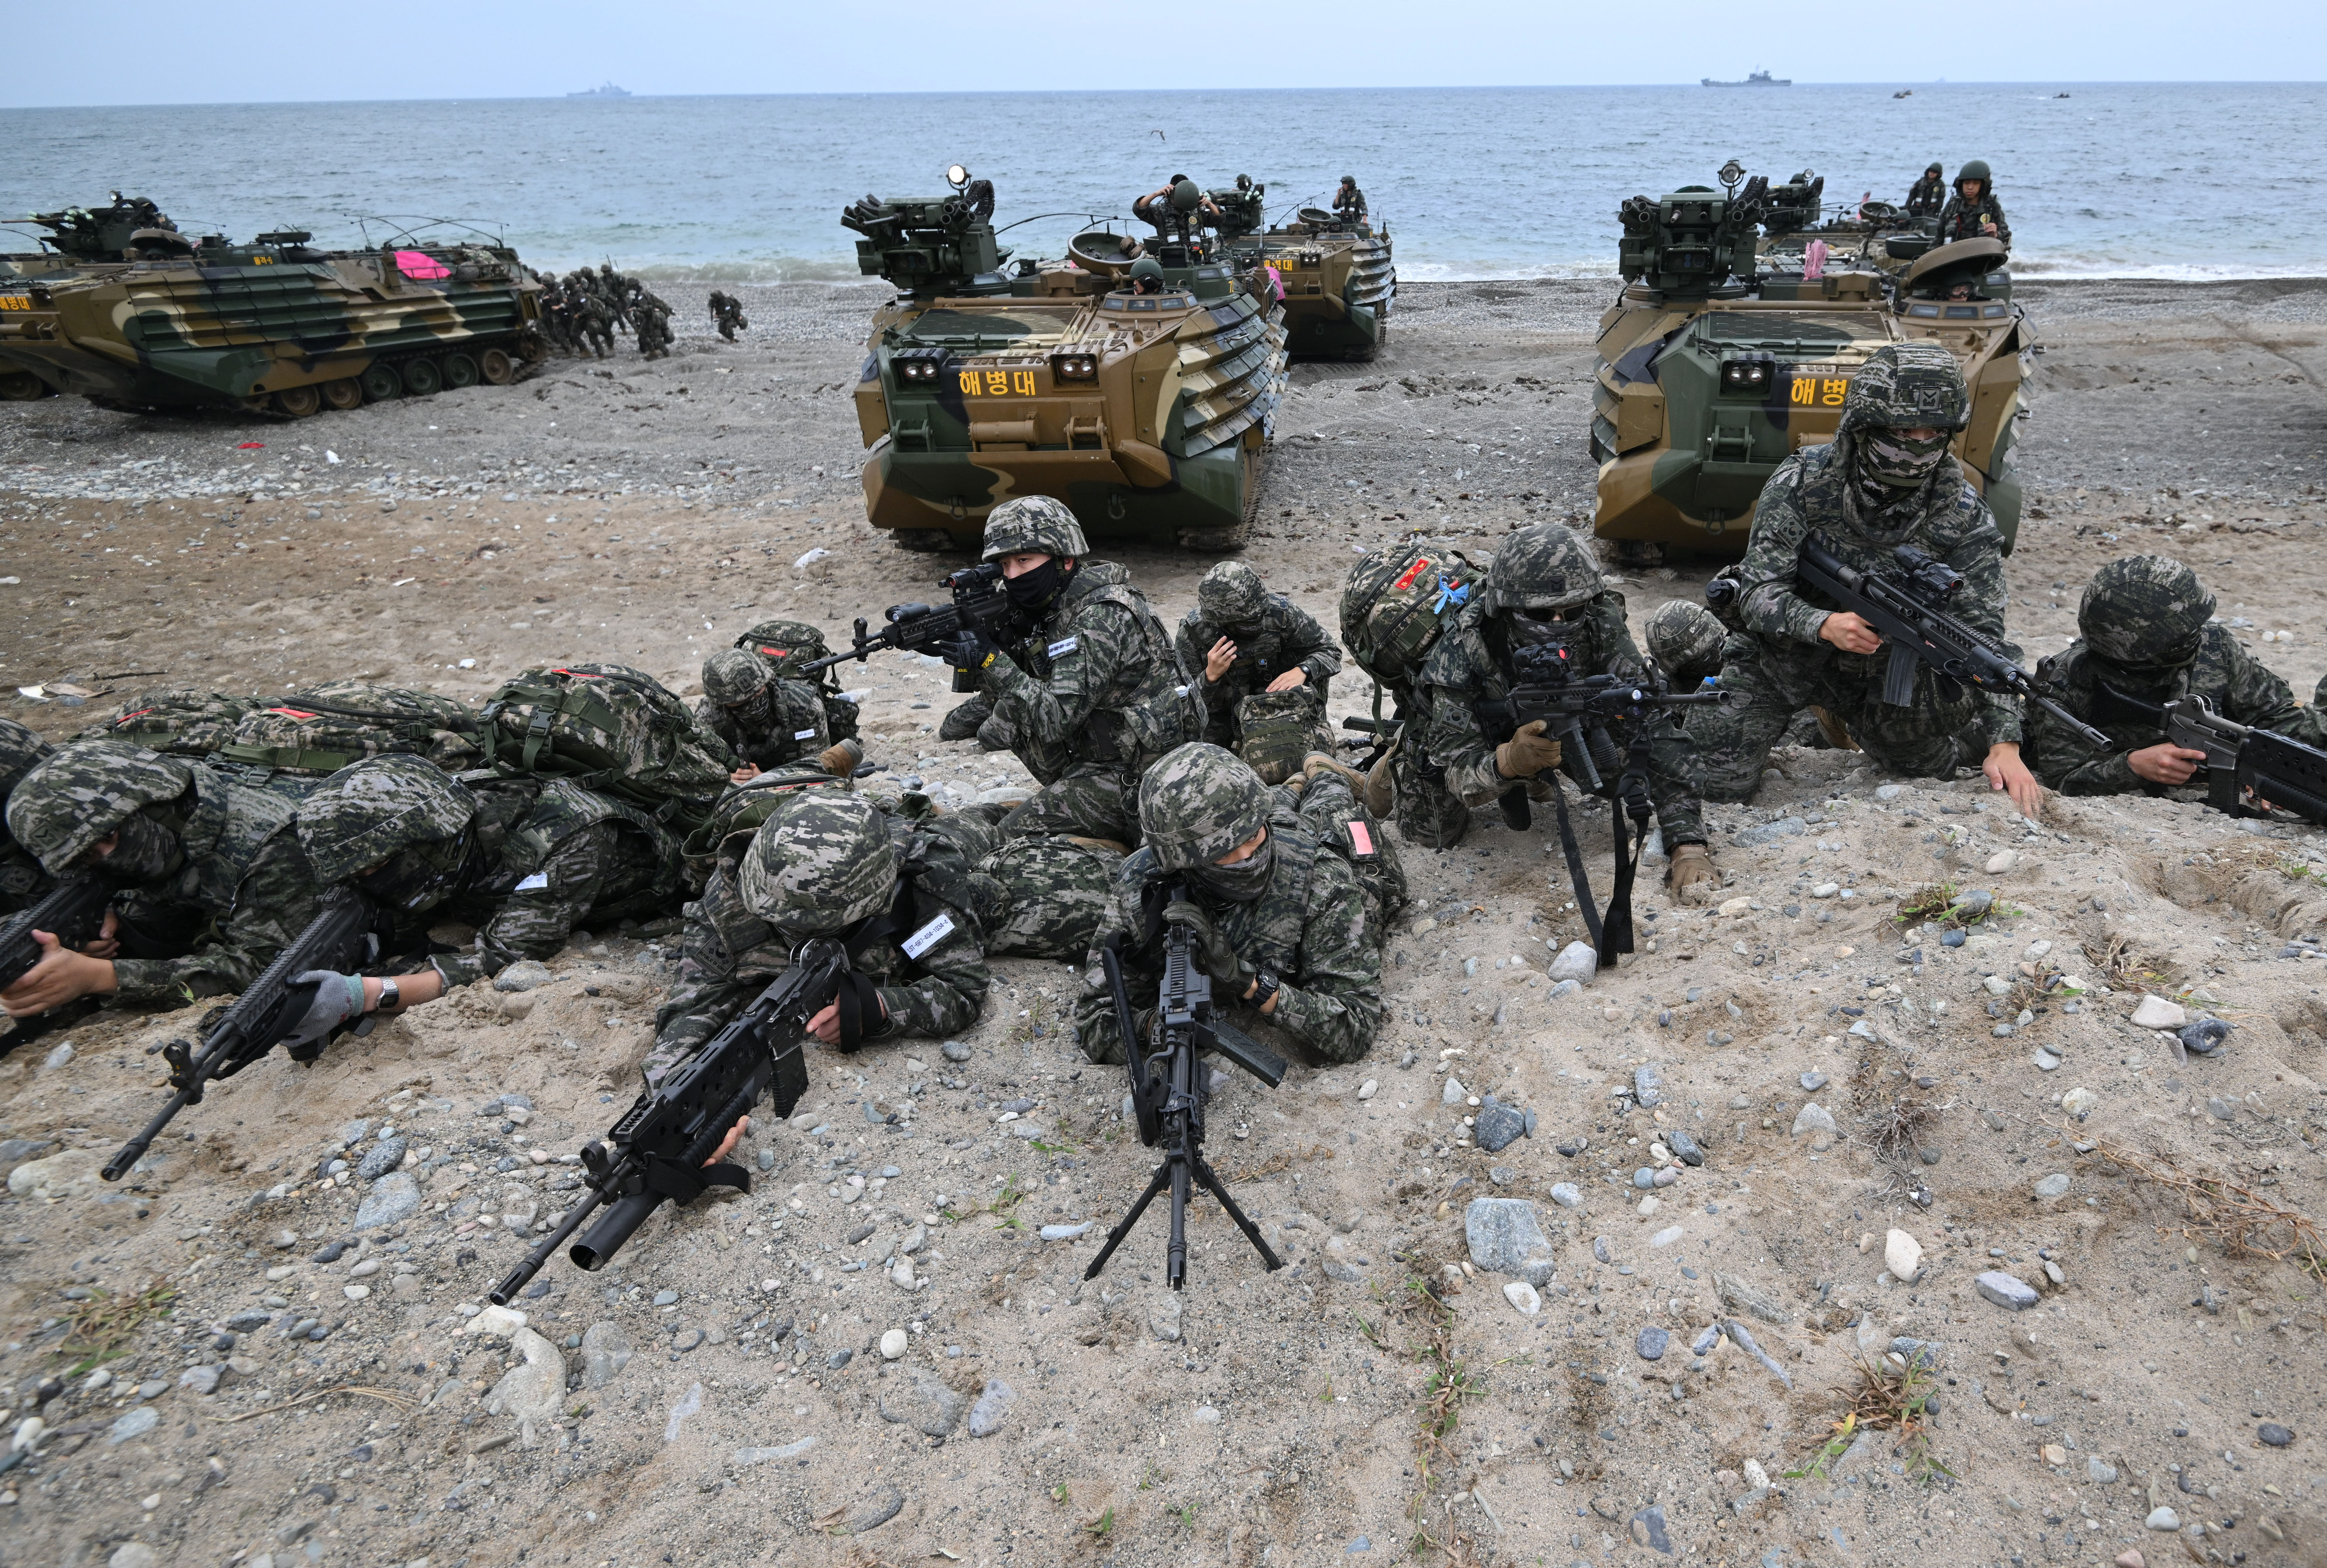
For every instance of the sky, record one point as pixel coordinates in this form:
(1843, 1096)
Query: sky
(183, 52)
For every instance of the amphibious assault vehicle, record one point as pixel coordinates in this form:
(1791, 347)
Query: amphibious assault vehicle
(1334, 273)
(1873, 234)
(165, 322)
(129, 229)
(1710, 373)
(1135, 382)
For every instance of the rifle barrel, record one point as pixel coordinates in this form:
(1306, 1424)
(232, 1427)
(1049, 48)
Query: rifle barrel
(134, 1150)
(522, 1275)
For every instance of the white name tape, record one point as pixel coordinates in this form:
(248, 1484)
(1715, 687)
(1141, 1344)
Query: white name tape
(927, 937)
(803, 734)
(534, 884)
(1065, 646)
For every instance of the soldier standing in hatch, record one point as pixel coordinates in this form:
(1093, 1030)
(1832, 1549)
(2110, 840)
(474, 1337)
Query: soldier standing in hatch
(1249, 641)
(1928, 195)
(1091, 695)
(1886, 480)
(2146, 621)
(1973, 212)
(1349, 202)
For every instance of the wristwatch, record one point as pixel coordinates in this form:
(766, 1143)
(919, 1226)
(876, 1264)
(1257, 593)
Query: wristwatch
(390, 998)
(1263, 986)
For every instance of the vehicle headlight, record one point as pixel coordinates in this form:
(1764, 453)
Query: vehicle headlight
(917, 370)
(1075, 367)
(1745, 375)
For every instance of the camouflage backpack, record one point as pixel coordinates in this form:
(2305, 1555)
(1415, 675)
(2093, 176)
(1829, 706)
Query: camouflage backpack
(610, 728)
(183, 721)
(322, 730)
(787, 645)
(1398, 600)
(1278, 729)
(742, 809)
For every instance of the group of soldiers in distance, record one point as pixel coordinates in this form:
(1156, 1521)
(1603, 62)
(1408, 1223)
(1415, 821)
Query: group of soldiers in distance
(582, 311)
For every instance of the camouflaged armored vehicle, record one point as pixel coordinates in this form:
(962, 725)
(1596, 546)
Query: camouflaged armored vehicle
(1335, 272)
(272, 326)
(1133, 380)
(1710, 373)
(1873, 234)
(129, 228)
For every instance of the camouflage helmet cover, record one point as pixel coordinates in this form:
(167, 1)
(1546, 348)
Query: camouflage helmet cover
(1905, 386)
(1197, 804)
(1231, 594)
(71, 799)
(731, 676)
(2145, 611)
(823, 860)
(1038, 524)
(371, 810)
(786, 645)
(19, 748)
(1683, 636)
(1545, 566)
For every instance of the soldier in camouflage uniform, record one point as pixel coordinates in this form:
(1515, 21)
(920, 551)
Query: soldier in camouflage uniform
(727, 314)
(595, 321)
(766, 722)
(1886, 480)
(22, 880)
(651, 318)
(1247, 641)
(805, 857)
(525, 861)
(209, 882)
(1544, 587)
(2145, 620)
(1928, 194)
(1973, 212)
(1689, 643)
(976, 720)
(1280, 919)
(1349, 202)
(1091, 688)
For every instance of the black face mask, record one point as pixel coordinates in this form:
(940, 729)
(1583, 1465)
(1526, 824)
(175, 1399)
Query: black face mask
(753, 713)
(1032, 591)
(144, 850)
(1530, 631)
(421, 877)
(1240, 881)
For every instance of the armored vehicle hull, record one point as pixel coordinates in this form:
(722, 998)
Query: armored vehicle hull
(274, 328)
(1702, 391)
(1339, 282)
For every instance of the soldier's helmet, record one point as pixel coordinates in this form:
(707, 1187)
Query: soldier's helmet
(2145, 611)
(397, 826)
(1197, 804)
(1545, 566)
(1684, 636)
(1905, 386)
(1147, 270)
(1349, 179)
(1977, 170)
(731, 675)
(19, 748)
(1033, 525)
(1935, 168)
(823, 860)
(1231, 594)
(71, 799)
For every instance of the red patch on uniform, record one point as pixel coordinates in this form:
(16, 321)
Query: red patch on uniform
(291, 714)
(249, 446)
(1362, 838)
(1417, 570)
(577, 674)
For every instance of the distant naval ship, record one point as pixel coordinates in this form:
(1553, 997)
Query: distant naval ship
(1758, 79)
(605, 89)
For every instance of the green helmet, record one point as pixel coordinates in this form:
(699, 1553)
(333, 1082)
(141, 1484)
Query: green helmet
(1977, 170)
(1906, 384)
(823, 860)
(1231, 594)
(1349, 179)
(1686, 639)
(71, 799)
(373, 810)
(19, 748)
(1146, 267)
(1935, 168)
(1185, 196)
(786, 645)
(1198, 803)
(1033, 525)
(1543, 566)
(2145, 611)
(731, 676)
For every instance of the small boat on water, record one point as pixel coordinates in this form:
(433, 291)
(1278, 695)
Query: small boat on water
(1905, 93)
(604, 89)
(1754, 79)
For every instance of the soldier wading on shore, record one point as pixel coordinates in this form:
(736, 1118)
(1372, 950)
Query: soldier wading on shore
(1886, 480)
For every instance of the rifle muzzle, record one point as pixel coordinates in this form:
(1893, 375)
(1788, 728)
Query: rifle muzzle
(616, 1226)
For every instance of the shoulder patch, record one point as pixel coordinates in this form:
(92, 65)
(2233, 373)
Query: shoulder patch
(537, 881)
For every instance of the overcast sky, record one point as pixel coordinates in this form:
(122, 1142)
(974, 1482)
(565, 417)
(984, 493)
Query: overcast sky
(176, 52)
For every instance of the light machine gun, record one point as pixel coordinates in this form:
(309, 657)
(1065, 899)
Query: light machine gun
(2241, 762)
(979, 599)
(1169, 1089)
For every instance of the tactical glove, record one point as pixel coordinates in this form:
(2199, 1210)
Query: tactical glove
(1213, 950)
(841, 759)
(1526, 753)
(337, 998)
(1691, 875)
(969, 649)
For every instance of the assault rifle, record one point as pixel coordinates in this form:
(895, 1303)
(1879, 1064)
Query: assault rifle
(979, 599)
(1910, 611)
(1168, 1090)
(1578, 710)
(658, 1148)
(2275, 770)
(347, 934)
(73, 913)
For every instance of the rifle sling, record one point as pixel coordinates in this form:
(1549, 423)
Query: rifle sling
(1576, 872)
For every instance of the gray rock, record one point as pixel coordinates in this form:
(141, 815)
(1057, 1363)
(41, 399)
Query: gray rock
(1744, 1296)
(1066, 1232)
(1650, 1343)
(2015, 1295)
(524, 975)
(1502, 1175)
(136, 1424)
(1705, 1340)
(1648, 1085)
(1914, 1351)
(2052, 1186)
(955, 1050)
(352, 1133)
(1684, 1147)
(1498, 1126)
(751, 1456)
(393, 1199)
(1644, 1178)
(1506, 1239)
(921, 1400)
(2274, 1435)
(1453, 1093)
(840, 1358)
(153, 1388)
(1814, 1117)
(992, 1404)
(1770, 832)
(1648, 1529)
(2205, 1037)
(385, 1156)
(666, 1298)
(856, 1236)
(201, 1379)
(2098, 1473)
(1576, 961)
(879, 1507)
(1163, 1318)
(133, 1555)
(1335, 1269)
(1814, 1080)
(686, 1340)
(605, 1352)
(1567, 1195)
(1602, 1250)
(14, 1151)
(2163, 1518)
(535, 1390)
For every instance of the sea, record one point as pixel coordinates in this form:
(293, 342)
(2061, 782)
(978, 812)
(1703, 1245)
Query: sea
(2099, 179)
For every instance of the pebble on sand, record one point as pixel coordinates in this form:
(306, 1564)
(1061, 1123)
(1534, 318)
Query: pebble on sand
(893, 1345)
(1523, 1296)
(2013, 1295)
(2155, 1013)
(1902, 1254)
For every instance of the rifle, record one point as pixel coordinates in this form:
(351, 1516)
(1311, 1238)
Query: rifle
(979, 599)
(346, 934)
(73, 913)
(1910, 611)
(1170, 1089)
(1579, 709)
(660, 1144)
(2240, 760)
